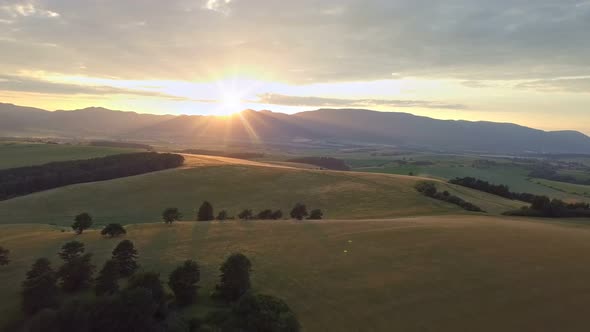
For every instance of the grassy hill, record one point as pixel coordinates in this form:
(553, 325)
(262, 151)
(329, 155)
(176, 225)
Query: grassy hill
(18, 154)
(234, 184)
(445, 273)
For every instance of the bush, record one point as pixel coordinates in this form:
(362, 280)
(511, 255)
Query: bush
(316, 214)
(113, 230)
(171, 215)
(276, 215)
(222, 215)
(299, 211)
(264, 214)
(247, 214)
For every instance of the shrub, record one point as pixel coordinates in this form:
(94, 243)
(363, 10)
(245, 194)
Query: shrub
(171, 215)
(113, 230)
(316, 214)
(299, 211)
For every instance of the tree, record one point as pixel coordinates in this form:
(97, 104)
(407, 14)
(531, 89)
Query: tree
(205, 212)
(426, 188)
(265, 214)
(82, 222)
(113, 230)
(171, 215)
(150, 281)
(71, 250)
(246, 214)
(222, 215)
(76, 273)
(106, 282)
(131, 310)
(316, 214)
(125, 255)
(299, 211)
(39, 290)
(264, 313)
(235, 277)
(276, 215)
(4, 260)
(183, 282)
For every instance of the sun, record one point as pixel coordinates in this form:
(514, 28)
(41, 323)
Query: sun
(231, 102)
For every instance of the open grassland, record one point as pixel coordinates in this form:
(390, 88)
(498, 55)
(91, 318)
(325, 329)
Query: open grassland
(445, 273)
(238, 184)
(569, 188)
(17, 154)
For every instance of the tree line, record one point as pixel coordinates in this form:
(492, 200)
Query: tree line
(323, 162)
(541, 206)
(429, 189)
(53, 299)
(206, 213)
(26, 180)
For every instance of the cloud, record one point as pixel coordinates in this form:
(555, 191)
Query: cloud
(302, 41)
(27, 84)
(26, 9)
(284, 100)
(579, 85)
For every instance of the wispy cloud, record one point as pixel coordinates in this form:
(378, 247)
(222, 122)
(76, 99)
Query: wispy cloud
(279, 99)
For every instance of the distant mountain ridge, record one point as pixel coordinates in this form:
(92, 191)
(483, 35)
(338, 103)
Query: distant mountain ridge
(324, 126)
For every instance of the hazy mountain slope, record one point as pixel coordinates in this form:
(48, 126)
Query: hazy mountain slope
(342, 125)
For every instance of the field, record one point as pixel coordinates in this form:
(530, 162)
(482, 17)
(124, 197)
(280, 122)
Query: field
(446, 273)
(447, 167)
(238, 184)
(17, 154)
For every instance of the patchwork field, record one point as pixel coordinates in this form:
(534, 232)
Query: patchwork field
(234, 185)
(446, 273)
(18, 154)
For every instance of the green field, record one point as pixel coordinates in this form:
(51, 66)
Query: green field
(17, 154)
(235, 185)
(453, 273)
(569, 188)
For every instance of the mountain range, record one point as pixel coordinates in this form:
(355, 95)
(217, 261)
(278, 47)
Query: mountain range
(321, 127)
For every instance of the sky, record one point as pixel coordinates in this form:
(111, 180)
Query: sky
(521, 61)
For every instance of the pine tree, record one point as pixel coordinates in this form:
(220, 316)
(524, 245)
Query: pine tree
(205, 212)
(235, 277)
(125, 255)
(183, 282)
(39, 290)
(106, 282)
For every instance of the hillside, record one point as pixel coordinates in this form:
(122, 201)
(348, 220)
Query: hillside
(453, 273)
(342, 126)
(235, 184)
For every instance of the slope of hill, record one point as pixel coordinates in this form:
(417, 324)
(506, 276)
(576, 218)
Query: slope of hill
(445, 274)
(234, 185)
(342, 125)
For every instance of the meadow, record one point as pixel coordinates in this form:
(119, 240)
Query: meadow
(443, 273)
(234, 185)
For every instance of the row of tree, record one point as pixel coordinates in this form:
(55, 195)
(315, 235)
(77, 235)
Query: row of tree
(143, 305)
(429, 189)
(494, 189)
(26, 180)
(206, 213)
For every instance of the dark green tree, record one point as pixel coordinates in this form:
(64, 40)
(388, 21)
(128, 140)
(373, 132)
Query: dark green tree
(183, 282)
(299, 211)
(205, 212)
(131, 310)
(316, 214)
(71, 250)
(150, 281)
(264, 214)
(171, 215)
(235, 277)
(264, 313)
(113, 230)
(246, 214)
(222, 215)
(82, 222)
(276, 215)
(125, 255)
(76, 274)
(4, 260)
(106, 282)
(39, 290)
